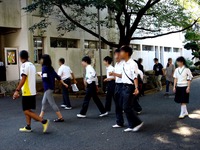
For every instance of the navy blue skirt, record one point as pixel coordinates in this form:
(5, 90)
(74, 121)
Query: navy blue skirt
(181, 96)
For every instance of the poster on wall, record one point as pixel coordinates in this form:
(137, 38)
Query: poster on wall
(11, 57)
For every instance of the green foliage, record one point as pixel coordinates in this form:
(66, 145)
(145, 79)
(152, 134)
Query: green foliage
(146, 18)
(193, 44)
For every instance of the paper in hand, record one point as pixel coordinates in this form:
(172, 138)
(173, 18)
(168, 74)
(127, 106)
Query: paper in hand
(39, 73)
(75, 88)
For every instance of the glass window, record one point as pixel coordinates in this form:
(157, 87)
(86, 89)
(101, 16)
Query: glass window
(135, 47)
(94, 44)
(147, 48)
(176, 50)
(167, 49)
(63, 43)
(38, 48)
(71, 43)
(37, 41)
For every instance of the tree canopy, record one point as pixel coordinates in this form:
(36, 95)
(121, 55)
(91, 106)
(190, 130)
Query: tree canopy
(193, 43)
(133, 19)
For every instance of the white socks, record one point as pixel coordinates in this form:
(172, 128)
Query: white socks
(184, 111)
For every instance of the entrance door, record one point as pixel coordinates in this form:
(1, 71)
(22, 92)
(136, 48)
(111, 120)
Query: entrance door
(12, 64)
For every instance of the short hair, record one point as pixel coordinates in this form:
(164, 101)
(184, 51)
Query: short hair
(24, 54)
(155, 59)
(182, 59)
(108, 59)
(62, 60)
(87, 59)
(127, 49)
(117, 50)
(140, 60)
(46, 60)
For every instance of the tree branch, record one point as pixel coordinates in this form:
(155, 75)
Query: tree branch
(159, 35)
(140, 14)
(84, 28)
(150, 30)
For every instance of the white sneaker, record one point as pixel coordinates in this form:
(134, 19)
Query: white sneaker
(103, 115)
(116, 126)
(81, 116)
(137, 128)
(63, 106)
(128, 130)
(183, 115)
(68, 108)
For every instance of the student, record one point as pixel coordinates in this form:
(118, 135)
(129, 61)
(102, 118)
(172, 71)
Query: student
(65, 73)
(158, 69)
(110, 83)
(140, 66)
(136, 105)
(118, 90)
(48, 79)
(182, 82)
(91, 82)
(169, 75)
(28, 86)
(130, 88)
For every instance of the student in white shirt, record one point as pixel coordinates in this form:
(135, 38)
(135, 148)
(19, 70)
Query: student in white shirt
(66, 73)
(110, 81)
(182, 82)
(118, 90)
(91, 81)
(130, 89)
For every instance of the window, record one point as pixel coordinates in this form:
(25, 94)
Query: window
(63, 43)
(176, 50)
(147, 48)
(135, 47)
(167, 49)
(38, 48)
(94, 44)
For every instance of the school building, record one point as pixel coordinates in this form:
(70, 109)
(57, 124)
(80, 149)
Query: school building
(15, 36)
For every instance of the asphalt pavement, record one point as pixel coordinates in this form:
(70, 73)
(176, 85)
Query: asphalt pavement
(162, 129)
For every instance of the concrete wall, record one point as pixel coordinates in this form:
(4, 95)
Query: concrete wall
(10, 13)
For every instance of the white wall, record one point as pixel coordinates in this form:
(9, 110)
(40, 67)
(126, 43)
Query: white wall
(10, 14)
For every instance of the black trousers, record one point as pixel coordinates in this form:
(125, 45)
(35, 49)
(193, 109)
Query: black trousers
(91, 92)
(110, 94)
(128, 98)
(137, 107)
(65, 93)
(119, 104)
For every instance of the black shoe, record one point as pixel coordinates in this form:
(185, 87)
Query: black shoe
(59, 120)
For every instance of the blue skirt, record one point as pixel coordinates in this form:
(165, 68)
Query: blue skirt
(181, 96)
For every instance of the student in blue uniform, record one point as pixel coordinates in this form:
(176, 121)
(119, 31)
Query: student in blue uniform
(91, 83)
(110, 80)
(182, 82)
(48, 78)
(130, 89)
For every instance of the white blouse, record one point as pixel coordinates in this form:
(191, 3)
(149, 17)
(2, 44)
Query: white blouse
(182, 74)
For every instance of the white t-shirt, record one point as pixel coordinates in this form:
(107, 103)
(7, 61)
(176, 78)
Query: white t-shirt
(182, 75)
(118, 70)
(91, 75)
(29, 87)
(131, 69)
(64, 72)
(109, 69)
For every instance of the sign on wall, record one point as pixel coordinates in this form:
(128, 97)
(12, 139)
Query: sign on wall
(11, 56)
